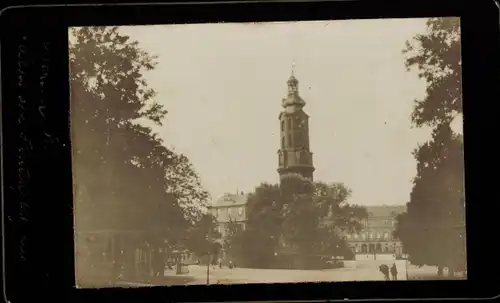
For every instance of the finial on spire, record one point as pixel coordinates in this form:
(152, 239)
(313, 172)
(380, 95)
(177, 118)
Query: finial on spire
(293, 68)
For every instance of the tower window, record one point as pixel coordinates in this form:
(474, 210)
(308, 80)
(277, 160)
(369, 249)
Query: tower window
(290, 140)
(290, 123)
(282, 142)
(300, 139)
(283, 125)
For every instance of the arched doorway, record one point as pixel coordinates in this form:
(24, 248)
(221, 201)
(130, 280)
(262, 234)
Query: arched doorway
(371, 248)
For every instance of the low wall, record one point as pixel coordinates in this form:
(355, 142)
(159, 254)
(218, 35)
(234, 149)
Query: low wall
(384, 257)
(350, 264)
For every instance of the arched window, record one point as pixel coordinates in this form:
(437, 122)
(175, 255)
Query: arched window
(282, 142)
(290, 123)
(300, 139)
(282, 125)
(289, 140)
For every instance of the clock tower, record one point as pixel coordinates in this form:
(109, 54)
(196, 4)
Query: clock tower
(294, 155)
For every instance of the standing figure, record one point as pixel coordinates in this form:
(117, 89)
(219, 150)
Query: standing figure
(394, 271)
(440, 271)
(384, 269)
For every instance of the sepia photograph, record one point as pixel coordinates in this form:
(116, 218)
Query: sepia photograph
(271, 152)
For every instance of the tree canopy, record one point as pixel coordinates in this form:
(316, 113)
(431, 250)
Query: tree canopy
(297, 217)
(125, 178)
(433, 228)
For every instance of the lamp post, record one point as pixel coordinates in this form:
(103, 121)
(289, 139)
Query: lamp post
(209, 236)
(406, 265)
(208, 268)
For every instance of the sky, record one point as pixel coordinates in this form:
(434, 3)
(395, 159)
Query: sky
(222, 85)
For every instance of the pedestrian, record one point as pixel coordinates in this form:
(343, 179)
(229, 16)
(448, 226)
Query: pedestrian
(394, 271)
(384, 269)
(440, 271)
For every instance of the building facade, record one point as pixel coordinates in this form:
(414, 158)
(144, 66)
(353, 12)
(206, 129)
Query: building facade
(377, 237)
(229, 208)
(294, 155)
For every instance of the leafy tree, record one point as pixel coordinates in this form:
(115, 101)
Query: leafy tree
(317, 223)
(436, 56)
(125, 178)
(264, 207)
(296, 217)
(433, 228)
(263, 226)
(250, 247)
(202, 238)
(331, 202)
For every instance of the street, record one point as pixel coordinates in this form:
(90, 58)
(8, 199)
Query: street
(247, 275)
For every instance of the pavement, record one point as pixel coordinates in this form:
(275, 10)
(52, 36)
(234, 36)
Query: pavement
(248, 275)
(364, 272)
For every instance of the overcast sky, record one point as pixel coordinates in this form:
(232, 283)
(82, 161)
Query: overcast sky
(223, 84)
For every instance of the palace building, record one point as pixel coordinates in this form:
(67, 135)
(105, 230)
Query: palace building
(377, 234)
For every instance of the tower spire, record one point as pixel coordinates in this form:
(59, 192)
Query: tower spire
(294, 153)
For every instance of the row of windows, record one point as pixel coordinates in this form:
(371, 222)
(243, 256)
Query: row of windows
(223, 230)
(367, 223)
(289, 123)
(230, 211)
(373, 249)
(370, 235)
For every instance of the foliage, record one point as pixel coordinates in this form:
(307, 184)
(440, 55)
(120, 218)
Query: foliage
(263, 226)
(436, 56)
(331, 202)
(202, 237)
(298, 217)
(243, 248)
(433, 228)
(125, 178)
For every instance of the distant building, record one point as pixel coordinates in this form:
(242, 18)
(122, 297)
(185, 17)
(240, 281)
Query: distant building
(229, 208)
(377, 234)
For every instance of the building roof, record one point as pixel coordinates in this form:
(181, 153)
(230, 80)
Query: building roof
(228, 200)
(385, 210)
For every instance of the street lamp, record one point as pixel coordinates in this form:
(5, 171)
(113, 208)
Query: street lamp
(406, 264)
(209, 238)
(208, 268)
